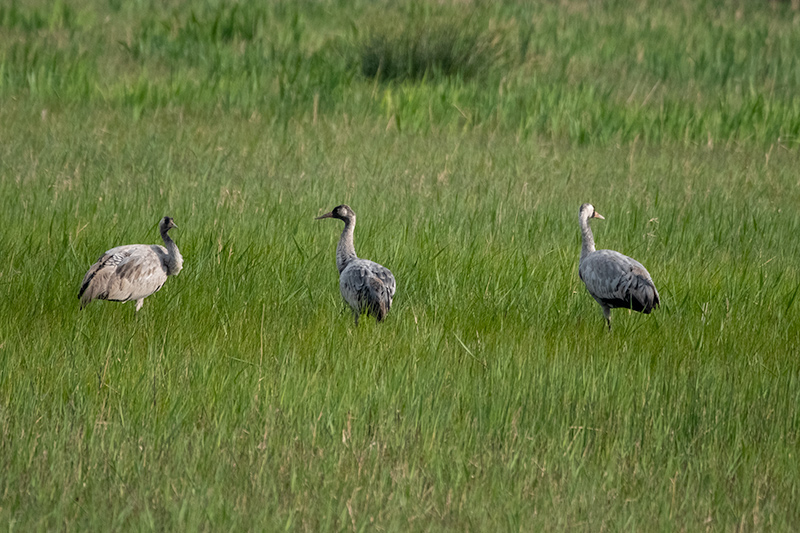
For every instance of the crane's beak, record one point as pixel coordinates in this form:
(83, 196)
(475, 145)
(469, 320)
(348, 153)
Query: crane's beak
(326, 215)
(598, 215)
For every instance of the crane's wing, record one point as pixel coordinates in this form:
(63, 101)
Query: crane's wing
(616, 280)
(386, 276)
(124, 273)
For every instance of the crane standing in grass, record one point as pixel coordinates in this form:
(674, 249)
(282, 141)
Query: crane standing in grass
(133, 271)
(365, 285)
(613, 279)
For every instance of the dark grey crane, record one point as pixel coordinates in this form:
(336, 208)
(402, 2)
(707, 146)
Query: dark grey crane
(133, 271)
(365, 285)
(613, 279)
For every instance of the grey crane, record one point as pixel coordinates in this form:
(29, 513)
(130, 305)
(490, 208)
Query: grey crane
(133, 271)
(365, 285)
(613, 279)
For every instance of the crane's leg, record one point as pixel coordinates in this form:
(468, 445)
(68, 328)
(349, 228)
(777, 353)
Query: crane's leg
(139, 304)
(355, 316)
(607, 314)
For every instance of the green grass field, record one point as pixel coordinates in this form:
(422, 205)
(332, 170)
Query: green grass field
(465, 136)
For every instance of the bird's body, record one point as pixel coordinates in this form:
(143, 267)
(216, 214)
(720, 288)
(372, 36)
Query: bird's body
(365, 285)
(132, 272)
(613, 279)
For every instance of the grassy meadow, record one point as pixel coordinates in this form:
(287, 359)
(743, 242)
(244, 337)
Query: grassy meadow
(465, 135)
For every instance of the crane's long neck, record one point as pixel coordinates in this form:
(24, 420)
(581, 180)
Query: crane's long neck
(346, 250)
(174, 261)
(588, 238)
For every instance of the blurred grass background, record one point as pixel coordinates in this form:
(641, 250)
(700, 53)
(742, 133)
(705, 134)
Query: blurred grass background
(587, 72)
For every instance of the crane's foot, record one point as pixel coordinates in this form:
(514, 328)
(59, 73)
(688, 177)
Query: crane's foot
(607, 316)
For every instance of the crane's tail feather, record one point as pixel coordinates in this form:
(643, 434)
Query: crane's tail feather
(656, 300)
(89, 293)
(641, 297)
(94, 286)
(379, 298)
(86, 293)
(649, 297)
(85, 285)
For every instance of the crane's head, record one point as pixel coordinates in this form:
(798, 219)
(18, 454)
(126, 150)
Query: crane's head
(166, 224)
(587, 211)
(342, 212)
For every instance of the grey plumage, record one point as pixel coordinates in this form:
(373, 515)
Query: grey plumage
(613, 279)
(132, 272)
(365, 285)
